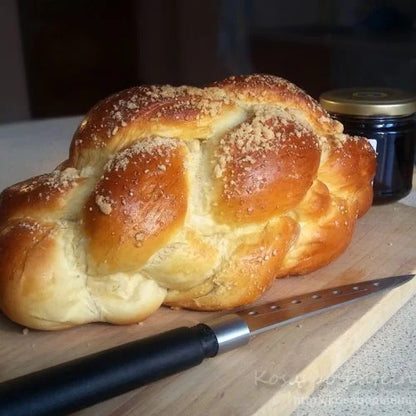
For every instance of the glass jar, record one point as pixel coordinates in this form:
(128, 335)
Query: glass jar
(387, 118)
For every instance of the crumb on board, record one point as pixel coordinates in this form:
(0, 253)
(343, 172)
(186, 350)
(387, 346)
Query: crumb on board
(25, 331)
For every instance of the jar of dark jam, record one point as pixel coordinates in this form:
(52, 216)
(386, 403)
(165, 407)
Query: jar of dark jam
(386, 117)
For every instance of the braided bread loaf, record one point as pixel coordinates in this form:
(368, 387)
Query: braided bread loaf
(197, 198)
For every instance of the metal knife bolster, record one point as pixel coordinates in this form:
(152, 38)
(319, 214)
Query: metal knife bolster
(231, 331)
(236, 329)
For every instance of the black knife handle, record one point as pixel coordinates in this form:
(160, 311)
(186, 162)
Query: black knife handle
(85, 381)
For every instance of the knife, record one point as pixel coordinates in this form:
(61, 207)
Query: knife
(76, 384)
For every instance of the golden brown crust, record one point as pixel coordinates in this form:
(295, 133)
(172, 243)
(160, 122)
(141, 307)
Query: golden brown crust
(129, 115)
(266, 156)
(350, 161)
(321, 241)
(43, 196)
(263, 88)
(36, 289)
(137, 205)
(191, 197)
(248, 272)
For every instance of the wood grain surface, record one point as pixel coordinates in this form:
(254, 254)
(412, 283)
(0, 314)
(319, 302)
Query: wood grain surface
(276, 370)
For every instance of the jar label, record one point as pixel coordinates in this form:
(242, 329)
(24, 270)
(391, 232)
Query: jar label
(373, 143)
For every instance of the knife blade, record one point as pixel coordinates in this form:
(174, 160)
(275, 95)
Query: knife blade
(80, 383)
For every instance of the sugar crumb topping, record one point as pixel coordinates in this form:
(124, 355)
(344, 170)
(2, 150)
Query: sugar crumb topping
(31, 226)
(104, 204)
(269, 129)
(160, 146)
(59, 180)
(156, 101)
(337, 141)
(258, 87)
(185, 103)
(140, 236)
(188, 103)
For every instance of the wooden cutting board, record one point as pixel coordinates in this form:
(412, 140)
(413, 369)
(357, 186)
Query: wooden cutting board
(276, 370)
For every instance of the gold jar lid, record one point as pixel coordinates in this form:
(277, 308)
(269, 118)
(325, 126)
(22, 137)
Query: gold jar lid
(369, 102)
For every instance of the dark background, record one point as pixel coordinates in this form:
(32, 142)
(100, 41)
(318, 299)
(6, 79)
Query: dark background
(61, 56)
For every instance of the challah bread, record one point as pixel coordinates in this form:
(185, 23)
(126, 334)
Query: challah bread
(196, 198)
